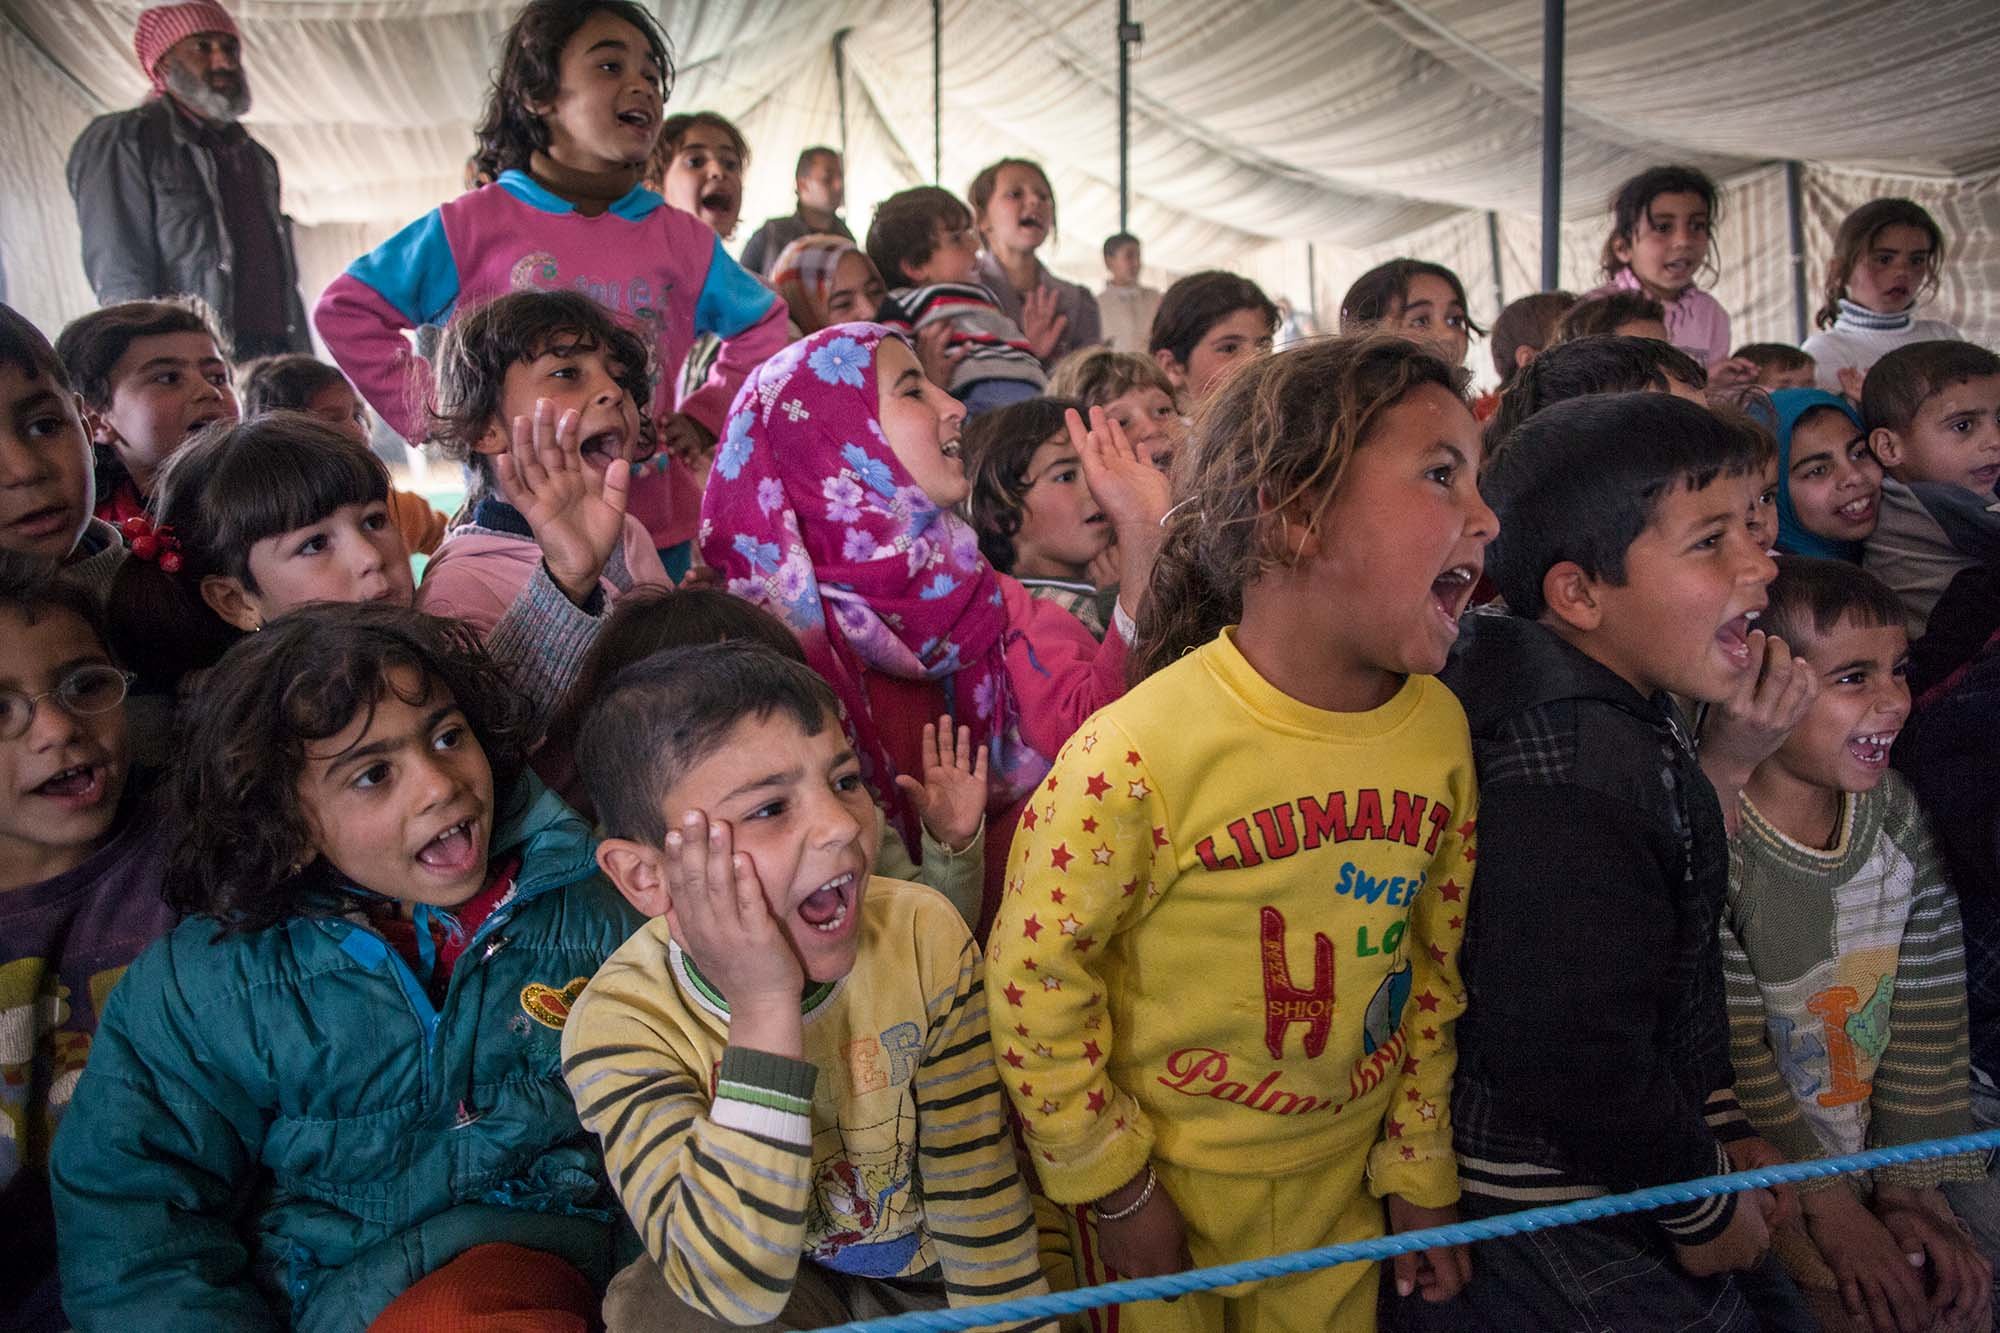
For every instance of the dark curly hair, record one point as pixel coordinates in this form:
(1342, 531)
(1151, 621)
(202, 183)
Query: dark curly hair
(998, 447)
(531, 71)
(245, 855)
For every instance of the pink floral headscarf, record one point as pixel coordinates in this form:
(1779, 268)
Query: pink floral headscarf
(803, 275)
(809, 514)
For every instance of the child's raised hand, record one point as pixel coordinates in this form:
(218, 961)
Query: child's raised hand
(1040, 323)
(1748, 727)
(951, 799)
(1732, 373)
(717, 913)
(1135, 494)
(936, 358)
(1104, 567)
(1439, 1273)
(576, 511)
(688, 440)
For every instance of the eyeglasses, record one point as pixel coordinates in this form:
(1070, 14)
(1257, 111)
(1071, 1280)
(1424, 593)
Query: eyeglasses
(84, 692)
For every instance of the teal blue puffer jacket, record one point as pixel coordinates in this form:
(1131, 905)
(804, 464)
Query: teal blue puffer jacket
(278, 1130)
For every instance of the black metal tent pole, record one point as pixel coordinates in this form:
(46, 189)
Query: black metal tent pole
(1552, 139)
(937, 92)
(1795, 219)
(1129, 35)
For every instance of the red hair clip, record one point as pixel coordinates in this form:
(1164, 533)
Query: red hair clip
(147, 542)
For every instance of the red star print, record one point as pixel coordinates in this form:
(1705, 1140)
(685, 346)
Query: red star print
(1395, 1128)
(1465, 829)
(1028, 817)
(1130, 886)
(1472, 853)
(1159, 835)
(1012, 1057)
(1020, 1029)
(1093, 1053)
(1084, 943)
(1427, 1002)
(1409, 1062)
(1048, 1107)
(1052, 782)
(1430, 1034)
(1061, 857)
(1409, 1153)
(1097, 786)
(1437, 955)
(1095, 1102)
(1032, 928)
(1452, 891)
(1456, 922)
(1119, 1123)
(1028, 963)
(1027, 1089)
(1093, 998)
(1090, 742)
(1132, 758)
(1090, 823)
(1056, 896)
(1014, 994)
(1413, 1096)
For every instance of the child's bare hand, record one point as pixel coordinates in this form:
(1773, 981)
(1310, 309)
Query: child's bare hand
(951, 799)
(1873, 1270)
(1104, 567)
(1040, 323)
(690, 442)
(1134, 494)
(1150, 1243)
(1732, 372)
(699, 576)
(938, 360)
(1747, 728)
(1753, 1152)
(1961, 1279)
(1742, 1244)
(717, 912)
(1439, 1273)
(576, 511)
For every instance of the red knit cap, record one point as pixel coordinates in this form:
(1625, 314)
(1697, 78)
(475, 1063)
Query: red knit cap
(163, 25)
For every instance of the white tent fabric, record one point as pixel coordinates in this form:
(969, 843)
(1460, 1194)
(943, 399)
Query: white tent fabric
(1298, 143)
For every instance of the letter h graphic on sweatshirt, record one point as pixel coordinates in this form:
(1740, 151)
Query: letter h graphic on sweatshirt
(658, 269)
(1229, 936)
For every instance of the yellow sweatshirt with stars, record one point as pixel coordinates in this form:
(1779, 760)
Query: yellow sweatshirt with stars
(1229, 936)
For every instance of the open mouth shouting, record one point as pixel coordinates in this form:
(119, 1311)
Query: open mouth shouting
(639, 119)
(830, 909)
(458, 850)
(1734, 638)
(1451, 591)
(1871, 749)
(75, 788)
(604, 448)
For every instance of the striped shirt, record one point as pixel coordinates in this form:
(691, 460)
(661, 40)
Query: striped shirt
(993, 346)
(1846, 979)
(883, 1154)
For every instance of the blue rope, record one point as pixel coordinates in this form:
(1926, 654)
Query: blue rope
(1030, 1309)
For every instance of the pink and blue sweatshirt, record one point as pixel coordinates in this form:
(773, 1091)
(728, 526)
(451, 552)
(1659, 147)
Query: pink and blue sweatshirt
(658, 269)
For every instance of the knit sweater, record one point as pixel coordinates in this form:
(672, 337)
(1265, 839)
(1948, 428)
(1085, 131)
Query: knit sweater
(883, 1153)
(1594, 1052)
(992, 345)
(1860, 337)
(1846, 978)
(1230, 936)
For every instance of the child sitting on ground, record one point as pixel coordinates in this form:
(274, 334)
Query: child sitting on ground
(1933, 415)
(950, 798)
(1779, 365)
(788, 1065)
(332, 1098)
(150, 375)
(82, 848)
(46, 519)
(1887, 257)
(923, 242)
(1208, 323)
(1133, 391)
(1846, 976)
(1197, 1078)
(1593, 1054)
(1033, 511)
(297, 383)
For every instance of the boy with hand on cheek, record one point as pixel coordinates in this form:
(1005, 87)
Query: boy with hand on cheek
(1593, 1053)
(1932, 410)
(769, 1123)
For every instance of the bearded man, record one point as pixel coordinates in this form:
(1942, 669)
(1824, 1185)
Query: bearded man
(174, 196)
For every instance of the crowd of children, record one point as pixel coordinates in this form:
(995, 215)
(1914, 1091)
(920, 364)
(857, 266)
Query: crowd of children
(901, 789)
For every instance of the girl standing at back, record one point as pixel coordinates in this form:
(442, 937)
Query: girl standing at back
(1014, 208)
(1661, 223)
(1887, 258)
(832, 505)
(1199, 1079)
(567, 131)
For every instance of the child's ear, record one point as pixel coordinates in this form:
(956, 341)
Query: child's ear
(1175, 372)
(228, 598)
(1522, 356)
(638, 872)
(494, 439)
(98, 424)
(1887, 448)
(1621, 250)
(1571, 596)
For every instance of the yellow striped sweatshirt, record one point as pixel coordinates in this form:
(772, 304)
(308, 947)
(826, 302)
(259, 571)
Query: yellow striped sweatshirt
(884, 1153)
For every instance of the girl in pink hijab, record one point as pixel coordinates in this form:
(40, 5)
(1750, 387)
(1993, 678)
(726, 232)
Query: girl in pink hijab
(831, 504)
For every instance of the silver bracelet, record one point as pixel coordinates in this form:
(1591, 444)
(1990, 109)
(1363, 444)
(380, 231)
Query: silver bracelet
(1130, 1209)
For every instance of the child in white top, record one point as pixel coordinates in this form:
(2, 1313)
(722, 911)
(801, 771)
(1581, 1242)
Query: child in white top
(1887, 256)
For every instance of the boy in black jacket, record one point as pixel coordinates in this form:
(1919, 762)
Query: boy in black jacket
(1593, 1055)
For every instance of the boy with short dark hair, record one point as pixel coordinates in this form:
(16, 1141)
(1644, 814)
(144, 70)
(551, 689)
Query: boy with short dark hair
(150, 374)
(1127, 306)
(1779, 365)
(924, 243)
(1521, 331)
(1597, 364)
(820, 181)
(1593, 1053)
(81, 862)
(1627, 314)
(788, 1066)
(1932, 410)
(1845, 967)
(45, 519)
